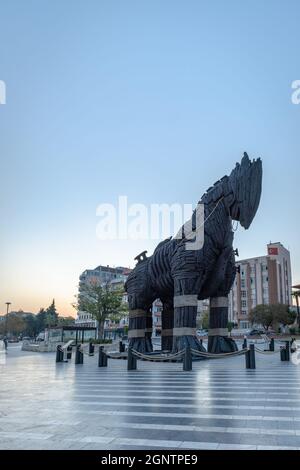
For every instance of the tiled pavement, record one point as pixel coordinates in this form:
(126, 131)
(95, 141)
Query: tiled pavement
(218, 405)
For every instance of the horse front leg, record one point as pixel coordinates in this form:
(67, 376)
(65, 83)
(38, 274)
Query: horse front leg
(185, 313)
(218, 340)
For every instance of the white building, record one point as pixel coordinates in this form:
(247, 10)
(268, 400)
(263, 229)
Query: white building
(100, 275)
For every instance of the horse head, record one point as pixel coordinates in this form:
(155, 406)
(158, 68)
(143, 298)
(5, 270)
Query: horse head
(244, 186)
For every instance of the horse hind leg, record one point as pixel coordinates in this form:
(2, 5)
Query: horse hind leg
(140, 327)
(218, 339)
(167, 323)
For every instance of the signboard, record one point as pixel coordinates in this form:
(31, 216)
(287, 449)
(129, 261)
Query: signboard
(272, 250)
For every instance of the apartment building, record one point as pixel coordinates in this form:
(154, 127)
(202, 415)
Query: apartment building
(260, 280)
(100, 275)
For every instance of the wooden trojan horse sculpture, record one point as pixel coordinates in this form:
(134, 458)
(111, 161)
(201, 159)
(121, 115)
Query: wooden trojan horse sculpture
(180, 276)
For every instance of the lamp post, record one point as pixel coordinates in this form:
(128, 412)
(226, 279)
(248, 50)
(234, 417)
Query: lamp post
(6, 319)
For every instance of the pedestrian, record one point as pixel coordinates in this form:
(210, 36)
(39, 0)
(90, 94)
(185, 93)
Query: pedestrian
(293, 345)
(5, 342)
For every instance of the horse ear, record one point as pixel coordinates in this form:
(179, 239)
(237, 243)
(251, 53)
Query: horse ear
(245, 163)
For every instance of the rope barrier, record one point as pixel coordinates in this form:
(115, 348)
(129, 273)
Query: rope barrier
(157, 357)
(117, 355)
(166, 355)
(260, 351)
(217, 356)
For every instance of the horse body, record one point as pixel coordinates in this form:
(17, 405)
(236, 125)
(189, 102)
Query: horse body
(180, 276)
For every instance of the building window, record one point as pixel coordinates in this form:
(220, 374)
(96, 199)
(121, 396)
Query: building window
(244, 312)
(243, 293)
(243, 283)
(244, 303)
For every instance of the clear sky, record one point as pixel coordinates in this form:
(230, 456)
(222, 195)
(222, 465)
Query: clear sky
(153, 99)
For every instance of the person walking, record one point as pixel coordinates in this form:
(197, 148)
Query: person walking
(5, 342)
(293, 345)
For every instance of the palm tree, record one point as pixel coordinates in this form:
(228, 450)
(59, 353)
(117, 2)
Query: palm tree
(296, 295)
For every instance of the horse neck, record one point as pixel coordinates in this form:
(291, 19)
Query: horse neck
(217, 221)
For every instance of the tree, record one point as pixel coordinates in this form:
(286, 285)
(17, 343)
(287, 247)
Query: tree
(205, 321)
(41, 319)
(282, 314)
(31, 326)
(262, 315)
(269, 315)
(102, 302)
(65, 321)
(296, 295)
(51, 315)
(230, 326)
(15, 324)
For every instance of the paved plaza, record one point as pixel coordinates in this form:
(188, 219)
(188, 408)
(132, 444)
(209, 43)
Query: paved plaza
(218, 405)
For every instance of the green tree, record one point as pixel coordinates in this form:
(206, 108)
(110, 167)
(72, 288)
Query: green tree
(205, 321)
(31, 326)
(102, 302)
(261, 315)
(65, 321)
(51, 315)
(270, 315)
(296, 295)
(15, 324)
(230, 326)
(282, 314)
(41, 319)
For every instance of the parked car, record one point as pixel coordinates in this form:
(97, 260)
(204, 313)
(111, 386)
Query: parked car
(256, 332)
(13, 340)
(201, 332)
(270, 332)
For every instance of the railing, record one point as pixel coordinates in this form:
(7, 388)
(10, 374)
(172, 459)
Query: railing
(185, 355)
(64, 351)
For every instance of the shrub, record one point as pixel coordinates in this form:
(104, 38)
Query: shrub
(100, 341)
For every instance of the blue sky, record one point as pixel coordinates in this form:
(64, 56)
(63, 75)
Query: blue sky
(150, 99)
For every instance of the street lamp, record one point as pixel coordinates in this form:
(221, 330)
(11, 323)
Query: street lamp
(6, 320)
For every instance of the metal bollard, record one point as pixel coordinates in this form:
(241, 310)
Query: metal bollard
(121, 347)
(250, 358)
(187, 359)
(78, 355)
(287, 350)
(69, 352)
(282, 354)
(59, 354)
(102, 359)
(91, 349)
(272, 345)
(131, 360)
(244, 343)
